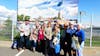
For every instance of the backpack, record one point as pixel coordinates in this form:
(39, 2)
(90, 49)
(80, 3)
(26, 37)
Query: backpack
(14, 45)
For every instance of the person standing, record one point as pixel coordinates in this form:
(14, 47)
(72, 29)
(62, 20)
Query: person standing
(33, 39)
(56, 41)
(41, 38)
(63, 37)
(48, 37)
(81, 38)
(68, 40)
(24, 34)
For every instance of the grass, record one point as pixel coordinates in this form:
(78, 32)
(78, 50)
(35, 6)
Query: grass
(95, 41)
(5, 38)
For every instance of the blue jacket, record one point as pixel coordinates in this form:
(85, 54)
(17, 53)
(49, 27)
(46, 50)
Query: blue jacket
(71, 31)
(69, 35)
(81, 35)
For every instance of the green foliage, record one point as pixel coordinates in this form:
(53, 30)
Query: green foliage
(95, 41)
(17, 36)
(5, 33)
(4, 38)
(8, 28)
(56, 18)
(27, 17)
(22, 17)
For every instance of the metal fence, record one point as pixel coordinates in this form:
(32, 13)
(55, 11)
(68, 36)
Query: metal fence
(6, 33)
(95, 37)
(5, 29)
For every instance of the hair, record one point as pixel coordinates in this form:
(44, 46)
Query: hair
(49, 23)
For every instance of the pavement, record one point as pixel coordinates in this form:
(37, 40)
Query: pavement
(5, 50)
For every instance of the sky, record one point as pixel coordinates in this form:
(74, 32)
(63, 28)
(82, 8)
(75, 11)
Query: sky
(90, 8)
(48, 8)
(8, 8)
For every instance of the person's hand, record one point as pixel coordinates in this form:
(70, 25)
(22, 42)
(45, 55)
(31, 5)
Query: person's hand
(22, 31)
(38, 40)
(65, 43)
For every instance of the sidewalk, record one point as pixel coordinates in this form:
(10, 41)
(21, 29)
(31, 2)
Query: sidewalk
(93, 51)
(5, 43)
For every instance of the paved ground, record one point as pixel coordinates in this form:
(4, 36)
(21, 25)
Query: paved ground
(5, 50)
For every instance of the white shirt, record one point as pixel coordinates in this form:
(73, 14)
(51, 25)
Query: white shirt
(25, 28)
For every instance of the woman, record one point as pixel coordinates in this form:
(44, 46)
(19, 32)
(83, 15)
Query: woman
(41, 38)
(34, 36)
(48, 37)
(56, 41)
(33, 39)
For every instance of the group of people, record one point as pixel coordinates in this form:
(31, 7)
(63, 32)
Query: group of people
(52, 38)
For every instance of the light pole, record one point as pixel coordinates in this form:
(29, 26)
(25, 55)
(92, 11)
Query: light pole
(91, 22)
(12, 38)
(80, 15)
(91, 30)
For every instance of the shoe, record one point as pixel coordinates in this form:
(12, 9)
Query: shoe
(33, 49)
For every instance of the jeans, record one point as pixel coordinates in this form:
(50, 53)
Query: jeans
(22, 42)
(80, 50)
(33, 43)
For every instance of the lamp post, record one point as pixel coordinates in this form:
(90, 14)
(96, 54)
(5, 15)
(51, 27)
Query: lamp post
(12, 38)
(91, 30)
(80, 15)
(91, 22)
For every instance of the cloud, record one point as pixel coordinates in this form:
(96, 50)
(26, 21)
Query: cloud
(5, 13)
(28, 3)
(35, 12)
(72, 9)
(48, 8)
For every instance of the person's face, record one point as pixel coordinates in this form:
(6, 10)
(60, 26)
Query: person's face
(56, 28)
(65, 26)
(44, 25)
(36, 23)
(26, 22)
(71, 26)
(78, 27)
(49, 25)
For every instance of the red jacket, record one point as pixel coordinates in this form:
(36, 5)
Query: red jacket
(40, 35)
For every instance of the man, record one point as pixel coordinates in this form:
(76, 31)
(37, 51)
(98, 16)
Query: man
(68, 39)
(81, 38)
(63, 36)
(24, 29)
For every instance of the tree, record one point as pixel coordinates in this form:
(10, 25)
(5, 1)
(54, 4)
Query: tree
(55, 18)
(7, 31)
(20, 17)
(27, 17)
